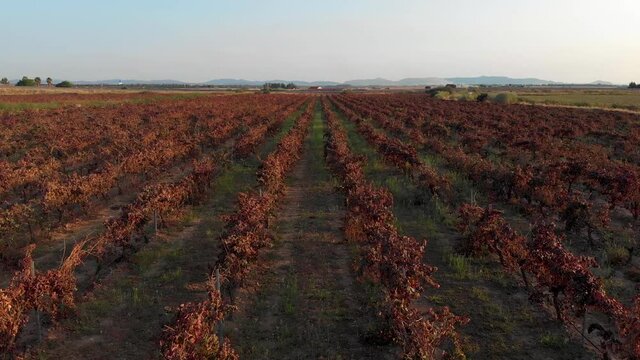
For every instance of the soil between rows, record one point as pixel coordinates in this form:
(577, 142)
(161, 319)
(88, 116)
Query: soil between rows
(305, 302)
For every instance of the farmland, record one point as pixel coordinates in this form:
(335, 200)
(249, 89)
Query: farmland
(598, 98)
(295, 225)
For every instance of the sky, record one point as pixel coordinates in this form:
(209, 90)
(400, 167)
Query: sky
(197, 40)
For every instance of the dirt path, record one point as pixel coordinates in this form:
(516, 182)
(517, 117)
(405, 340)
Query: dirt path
(307, 304)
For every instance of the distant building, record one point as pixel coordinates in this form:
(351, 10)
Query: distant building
(315, 87)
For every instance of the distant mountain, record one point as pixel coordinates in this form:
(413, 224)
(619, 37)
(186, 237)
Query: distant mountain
(233, 82)
(370, 82)
(601, 82)
(310, 83)
(130, 82)
(381, 82)
(423, 81)
(243, 82)
(433, 81)
(499, 80)
(403, 82)
(478, 80)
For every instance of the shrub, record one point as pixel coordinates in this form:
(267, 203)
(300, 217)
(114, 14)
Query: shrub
(64, 84)
(617, 255)
(26, 82)
(467, 96)
(442, 92)
(506, 98)
(442, 95)
(442, 89)
(482, 97)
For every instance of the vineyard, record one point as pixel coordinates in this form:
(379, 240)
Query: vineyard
(352, 225)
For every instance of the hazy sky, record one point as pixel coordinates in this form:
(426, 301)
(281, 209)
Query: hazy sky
(563, 40)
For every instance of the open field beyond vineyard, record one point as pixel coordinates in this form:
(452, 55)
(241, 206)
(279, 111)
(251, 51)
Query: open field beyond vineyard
(625, 99)
(316, 226)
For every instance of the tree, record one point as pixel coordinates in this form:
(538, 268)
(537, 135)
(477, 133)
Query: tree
(49, 81)
(277, 86)
(64, 84)
(38, 80)
(4, 81)
(633, 85)
(26, 82)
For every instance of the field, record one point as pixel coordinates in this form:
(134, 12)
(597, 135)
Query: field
(598, 98)
(333, 226)
(12, 100)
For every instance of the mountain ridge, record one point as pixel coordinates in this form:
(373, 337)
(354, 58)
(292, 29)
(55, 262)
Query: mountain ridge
(412, 81)
(500, 80)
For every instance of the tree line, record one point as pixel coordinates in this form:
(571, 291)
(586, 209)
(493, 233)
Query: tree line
(37, 81)
(633, 85)
(279, 86)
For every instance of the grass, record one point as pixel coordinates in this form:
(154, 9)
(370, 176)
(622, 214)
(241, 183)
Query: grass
(171, 275)
(146, 257)
(553, 341)
(290, 295)
(616, 99)
(617, 255)
(480, 293)
(17, 107)
(160, 273)
(460, 266)
(617, 287)
(273, 141)
(300, 308)
(437, 300)
(478, 288)
(415, 219)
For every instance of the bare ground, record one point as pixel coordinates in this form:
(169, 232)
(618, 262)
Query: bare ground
(305, 302)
